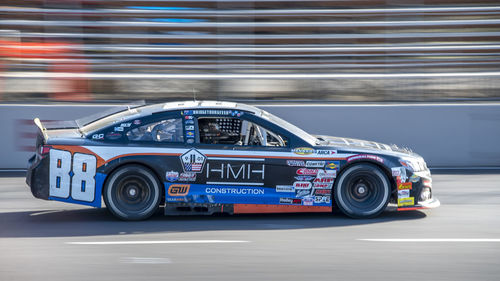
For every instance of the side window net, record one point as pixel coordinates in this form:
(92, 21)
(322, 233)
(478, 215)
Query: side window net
(169, 130)
(234, 131)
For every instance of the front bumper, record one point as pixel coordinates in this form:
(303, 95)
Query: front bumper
(428, 204)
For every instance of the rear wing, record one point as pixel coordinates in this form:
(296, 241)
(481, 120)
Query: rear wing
(41, 128)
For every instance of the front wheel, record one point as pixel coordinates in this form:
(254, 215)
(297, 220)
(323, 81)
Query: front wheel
(132, 193)
(362, 191)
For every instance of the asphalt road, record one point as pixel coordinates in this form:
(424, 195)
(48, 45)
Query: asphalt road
(43, 240)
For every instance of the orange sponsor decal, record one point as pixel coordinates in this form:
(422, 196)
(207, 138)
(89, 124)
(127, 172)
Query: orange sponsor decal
(405, 185)
(178, 189)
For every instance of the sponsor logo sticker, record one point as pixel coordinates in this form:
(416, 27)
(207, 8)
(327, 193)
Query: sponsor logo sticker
(295, 163)
(322, 192)
(119, 129)
(405, 185)
(113, 135)
(137, 122)
(125, 125)
(414, 178)
(98, 136)
(172, 176)
(302, 185)
(189, 122)
(327, 174)
(315, 164)
(286, 200)
(304, 178)
(307, 172)
(332, 165)
(303, 150)
(322, 185)
(404, 193)
(308, 201)
(406, 202)
(189, 176)
(326, 152)
(178, 189)
(365, 156)
(285, 188)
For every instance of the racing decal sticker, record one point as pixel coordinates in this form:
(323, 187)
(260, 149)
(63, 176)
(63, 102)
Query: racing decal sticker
(113, 135)
(404, 193)
(285, 188)
(193, 161)
(325, 152)
(189, 176)
(171, 176)
(365, 156)
(304, 178)
(414, 178)
(332, 165)
(404, 185)
(234, 113)
(307, 172)
(302, 185)
(409, 201)
(178, 189)
(399, 172)
(315, 164)
(308, 200)
(303, 150)
(296, 163)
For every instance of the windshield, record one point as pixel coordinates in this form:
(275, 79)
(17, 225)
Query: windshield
(289, 127)
(106, 121)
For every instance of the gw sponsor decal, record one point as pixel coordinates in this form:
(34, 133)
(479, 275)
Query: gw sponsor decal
(406, 201)
(193, 161)
(332, 165)
(171, 176)
(302, 185)
(178, 189)
(233, 190)
(72, 175)
(365, 156)
(295, 163)
(307, 172)
(303, 150)
(285, 188)
(315, 164)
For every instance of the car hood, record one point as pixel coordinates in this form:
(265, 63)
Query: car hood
(365, 146)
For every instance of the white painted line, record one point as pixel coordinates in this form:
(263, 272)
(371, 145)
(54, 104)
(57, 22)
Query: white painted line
(46, 212)
(235, 183)
(434, 240)
(137, 260)
(156, 242)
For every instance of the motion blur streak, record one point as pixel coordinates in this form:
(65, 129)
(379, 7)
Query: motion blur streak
(163, 50)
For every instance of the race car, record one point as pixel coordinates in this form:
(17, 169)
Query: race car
(207, 157)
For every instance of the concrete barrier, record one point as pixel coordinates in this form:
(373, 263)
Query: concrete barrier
(446, 135)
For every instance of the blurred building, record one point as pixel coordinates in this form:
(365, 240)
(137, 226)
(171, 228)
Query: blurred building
(359, 50)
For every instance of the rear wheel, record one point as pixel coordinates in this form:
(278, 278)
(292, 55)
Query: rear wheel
(362, 191)
(132, 193)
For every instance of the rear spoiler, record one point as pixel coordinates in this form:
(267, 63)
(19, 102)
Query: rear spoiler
(40, 126)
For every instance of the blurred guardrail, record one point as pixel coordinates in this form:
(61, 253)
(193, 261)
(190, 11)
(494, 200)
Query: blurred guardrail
(439, 51)
(446, 135)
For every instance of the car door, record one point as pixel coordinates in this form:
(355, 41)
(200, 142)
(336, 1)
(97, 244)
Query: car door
(236, 168)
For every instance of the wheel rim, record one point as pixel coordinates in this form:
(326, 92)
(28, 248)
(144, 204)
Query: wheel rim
(363, 191)
(133, 193)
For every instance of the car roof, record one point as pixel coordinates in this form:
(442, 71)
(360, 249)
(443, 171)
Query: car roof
(155, 108)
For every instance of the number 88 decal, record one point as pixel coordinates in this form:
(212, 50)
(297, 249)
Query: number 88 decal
(79, 181)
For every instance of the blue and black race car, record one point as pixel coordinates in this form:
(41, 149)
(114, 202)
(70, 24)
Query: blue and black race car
(206, 157)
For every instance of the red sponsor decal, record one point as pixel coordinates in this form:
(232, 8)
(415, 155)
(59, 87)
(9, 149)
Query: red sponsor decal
(323, 180)
(307, 172)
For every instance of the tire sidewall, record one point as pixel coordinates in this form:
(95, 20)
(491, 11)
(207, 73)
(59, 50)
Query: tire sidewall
(111, 185)
(340, 186)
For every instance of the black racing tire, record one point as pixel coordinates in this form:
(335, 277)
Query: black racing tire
(132, 193)
(362, 191)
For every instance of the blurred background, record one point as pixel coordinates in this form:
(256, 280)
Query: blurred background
(340, 51)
